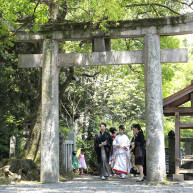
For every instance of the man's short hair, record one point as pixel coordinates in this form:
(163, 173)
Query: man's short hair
(103, 124)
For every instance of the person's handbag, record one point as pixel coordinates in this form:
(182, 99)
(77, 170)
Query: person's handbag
(138, 152)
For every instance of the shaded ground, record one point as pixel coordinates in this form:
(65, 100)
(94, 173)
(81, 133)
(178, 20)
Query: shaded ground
(90, 184)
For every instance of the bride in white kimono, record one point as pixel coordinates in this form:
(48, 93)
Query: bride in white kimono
(122, 153)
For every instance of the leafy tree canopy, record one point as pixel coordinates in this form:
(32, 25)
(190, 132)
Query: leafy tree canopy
(93, 94)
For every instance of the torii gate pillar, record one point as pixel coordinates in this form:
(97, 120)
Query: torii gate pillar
(50, 113)
(154, 109)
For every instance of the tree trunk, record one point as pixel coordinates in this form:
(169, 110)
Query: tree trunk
(32, 146)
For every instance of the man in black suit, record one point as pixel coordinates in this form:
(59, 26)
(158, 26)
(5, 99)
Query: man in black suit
(103, 142)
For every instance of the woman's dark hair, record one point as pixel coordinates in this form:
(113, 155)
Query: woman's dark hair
(103, 124)
(122, 127)
(137, 126)
(82, 150)
(112, 130)
(73, 153)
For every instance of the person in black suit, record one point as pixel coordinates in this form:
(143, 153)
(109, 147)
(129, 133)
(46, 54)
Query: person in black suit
(133, 170)
(144, 164)
(139, 141)
(103, 142)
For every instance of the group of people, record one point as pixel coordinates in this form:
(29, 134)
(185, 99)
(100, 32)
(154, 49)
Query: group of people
(118, 150)
(121, 150)
(79, 162)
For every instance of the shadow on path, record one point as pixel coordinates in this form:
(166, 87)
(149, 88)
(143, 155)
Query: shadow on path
(91, 184)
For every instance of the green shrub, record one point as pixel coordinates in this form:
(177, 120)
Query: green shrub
(90, 154)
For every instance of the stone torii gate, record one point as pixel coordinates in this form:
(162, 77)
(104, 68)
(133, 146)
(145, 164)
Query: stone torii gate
(152, 56)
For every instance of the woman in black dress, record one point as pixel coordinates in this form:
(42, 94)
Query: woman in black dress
(139, 141)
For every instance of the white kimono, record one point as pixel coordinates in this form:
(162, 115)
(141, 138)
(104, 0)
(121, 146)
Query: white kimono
(122, 156)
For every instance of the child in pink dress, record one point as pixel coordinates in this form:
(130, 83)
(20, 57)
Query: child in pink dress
(82, 162)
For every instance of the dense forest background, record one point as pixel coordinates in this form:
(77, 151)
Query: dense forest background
(88, 95)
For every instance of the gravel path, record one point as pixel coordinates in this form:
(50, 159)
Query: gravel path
(91, 184)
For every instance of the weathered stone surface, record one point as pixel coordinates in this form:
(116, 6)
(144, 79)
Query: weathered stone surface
(30, 37)
(178, 177)
(104, 58)
(176, 25)
(72, 137)
(24, 169)
(108, 45)
(101, 58)
(12, 146)
(154, 109)
(174, 55)
(98, 45)
(11, 177)
(50, 114)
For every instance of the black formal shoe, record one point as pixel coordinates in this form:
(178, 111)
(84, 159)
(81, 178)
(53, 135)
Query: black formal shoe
(140, 180)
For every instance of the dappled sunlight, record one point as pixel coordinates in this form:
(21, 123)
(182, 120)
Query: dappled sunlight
(88, 184)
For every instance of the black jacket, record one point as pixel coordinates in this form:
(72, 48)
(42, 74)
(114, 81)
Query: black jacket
(99, 138)
(139, 140)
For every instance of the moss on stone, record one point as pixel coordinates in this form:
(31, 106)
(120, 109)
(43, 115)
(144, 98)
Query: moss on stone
(174, 21)
(24, 167)
(4, 181)
(32, 147)
(67, 175)
(80, 28)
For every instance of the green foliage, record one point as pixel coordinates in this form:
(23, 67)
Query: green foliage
(76, 46)
(4, 181)
(175, 78)
(13, 11)
(18, 96)
(17, 12)
(114, 10)
(65, 131)
(90, 154)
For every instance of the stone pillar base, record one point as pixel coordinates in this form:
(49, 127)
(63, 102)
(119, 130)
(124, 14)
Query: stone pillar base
(178, 177)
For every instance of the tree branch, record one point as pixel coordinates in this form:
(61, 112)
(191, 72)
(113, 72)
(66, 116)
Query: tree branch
(65, 108)
(25, 23)
(68, 81)
(91, 76)
(131, 68)
(152, 4)
(155, 11)
(189, 5)
(143, 13)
